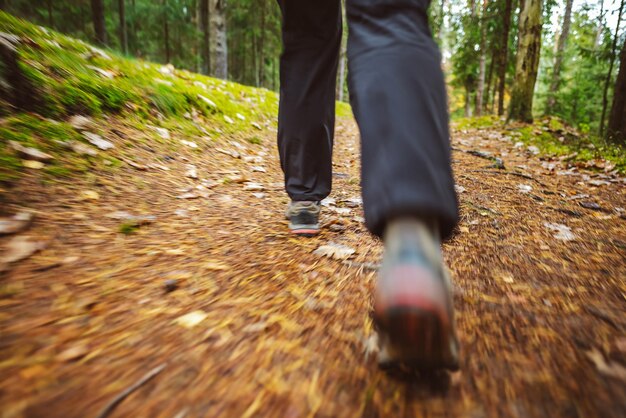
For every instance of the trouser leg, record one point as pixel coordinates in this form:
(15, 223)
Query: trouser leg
(398, 97)
(311, 32)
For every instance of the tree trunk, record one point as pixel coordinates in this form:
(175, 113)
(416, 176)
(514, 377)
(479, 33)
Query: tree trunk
(123, 30)
(527, 62)
(596, 43)
(607, 82)
(468, 101)
(50, 16)
(342, 72)
(206, 37)
(262, 45)
(97, 12)
(219, 57)
(487, 99)
(483, 61)
(504, 54)
(556, 74)
(166, 34)
(616, 130)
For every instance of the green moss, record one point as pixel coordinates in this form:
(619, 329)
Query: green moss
(128, 227)
(255, 140)
(480, 122)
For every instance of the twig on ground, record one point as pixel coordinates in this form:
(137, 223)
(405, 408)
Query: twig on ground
(603, 316)
(364, 266)
(511, 173)
(119, 398)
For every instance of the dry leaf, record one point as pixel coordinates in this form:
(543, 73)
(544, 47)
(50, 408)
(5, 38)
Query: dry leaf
(253, 187)
(89, 195)
(19, 248)
(610, 368)
(35, 165)
(191, 319)
(336, 251)
(563, 232)
(73, 353)
(15, 224)
(98, 141)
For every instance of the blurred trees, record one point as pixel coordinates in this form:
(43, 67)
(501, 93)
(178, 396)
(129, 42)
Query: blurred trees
(524, 58)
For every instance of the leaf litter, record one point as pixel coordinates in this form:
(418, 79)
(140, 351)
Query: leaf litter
(258, 322)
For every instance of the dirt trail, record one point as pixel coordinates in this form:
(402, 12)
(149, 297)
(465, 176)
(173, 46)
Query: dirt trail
(285, 333)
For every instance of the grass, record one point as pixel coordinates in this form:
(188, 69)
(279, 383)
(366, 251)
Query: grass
(554, 138)
(69, 77)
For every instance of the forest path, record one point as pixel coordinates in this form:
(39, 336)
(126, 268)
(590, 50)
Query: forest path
(248, 322)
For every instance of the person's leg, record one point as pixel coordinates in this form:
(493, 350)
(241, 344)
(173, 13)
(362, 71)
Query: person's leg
(311, 32)
(399, 100)
(398, 97)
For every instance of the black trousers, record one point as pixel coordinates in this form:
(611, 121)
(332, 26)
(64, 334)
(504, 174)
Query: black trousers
(398, 97)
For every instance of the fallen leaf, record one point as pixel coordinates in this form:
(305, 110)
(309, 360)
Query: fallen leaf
(89, 195)
(35, 165)
(336, 251)
(19, 248)
(73, 353)
(215, 265)
(563, 232)
(206, 100)
(29, 153)
(163, 133)
(610, 368)
(192, 171)
(82, 149)
(15, 224)
(228, 119)
(190, 144)
(80, 122)
(98, 141)
(191, 319)
(253, 187)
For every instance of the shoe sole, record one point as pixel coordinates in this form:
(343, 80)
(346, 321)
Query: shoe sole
(416, 338)
(305, 232)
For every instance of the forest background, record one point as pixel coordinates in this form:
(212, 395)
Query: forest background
(517, 59)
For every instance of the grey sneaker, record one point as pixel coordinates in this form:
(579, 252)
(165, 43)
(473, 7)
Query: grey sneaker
(413, 300)
(304, 218)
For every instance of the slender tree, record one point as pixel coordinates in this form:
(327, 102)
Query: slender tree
(206, 37)
(558, 62)
(123, 29)
(166, 32)
(607, 81)
(616, 129)
(219, 60)
(480, 89)
(503, 56)
(50, 15)
(527, 61)
(97, 11)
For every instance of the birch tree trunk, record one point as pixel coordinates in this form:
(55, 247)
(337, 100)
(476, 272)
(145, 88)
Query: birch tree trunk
(556, 74)
(526, 62)
(219, 50)
(482, 62)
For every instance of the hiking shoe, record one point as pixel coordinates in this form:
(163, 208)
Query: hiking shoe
(304, 218)
(413, 309)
